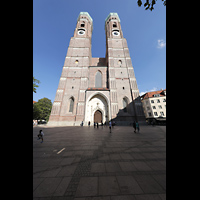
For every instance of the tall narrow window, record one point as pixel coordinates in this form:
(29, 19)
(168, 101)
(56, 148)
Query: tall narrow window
(71, 104)
(98, 80)
(125, 104)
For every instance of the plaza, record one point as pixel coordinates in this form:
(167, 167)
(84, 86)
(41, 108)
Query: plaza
(79, 163)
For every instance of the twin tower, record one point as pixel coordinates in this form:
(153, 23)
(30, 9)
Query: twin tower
(97, 89)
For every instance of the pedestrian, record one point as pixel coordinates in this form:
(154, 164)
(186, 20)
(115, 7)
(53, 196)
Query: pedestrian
(94, 124)
(97, 124)
(82, 123)
(40, 135)
(137, 126)
(89, 123)
(134, 126)
(110, 124)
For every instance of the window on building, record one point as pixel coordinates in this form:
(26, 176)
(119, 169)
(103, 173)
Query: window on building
(71, 104)
(119, 62)
(152, 101)
(162, 113)
(149, 113)
(148, 108)
(114, 25)
(98, 80)
(158, 101)
(82, 25)
(154, 107)
(125, 104)
(160, 106)
(164, 100)
(155, 113)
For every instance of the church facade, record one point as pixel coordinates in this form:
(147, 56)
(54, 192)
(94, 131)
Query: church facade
(97, 89)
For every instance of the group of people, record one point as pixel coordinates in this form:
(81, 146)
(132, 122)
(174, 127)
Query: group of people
(111, 124)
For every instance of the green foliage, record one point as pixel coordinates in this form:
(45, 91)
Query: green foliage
(35, 82)
(42, 109)
(149, 4)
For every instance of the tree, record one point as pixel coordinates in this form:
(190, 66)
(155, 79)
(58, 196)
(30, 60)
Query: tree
(35, 82)
(42, 109)
(150, 5)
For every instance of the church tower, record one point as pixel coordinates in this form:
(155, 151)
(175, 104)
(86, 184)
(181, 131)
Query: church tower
(124, 94)
(69, 103)
(97, 89)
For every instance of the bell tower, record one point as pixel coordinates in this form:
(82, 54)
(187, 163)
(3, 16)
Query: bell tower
(124, 93)
(69, 103)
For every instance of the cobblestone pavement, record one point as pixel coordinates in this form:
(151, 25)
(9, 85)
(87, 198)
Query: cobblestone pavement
(86, 163)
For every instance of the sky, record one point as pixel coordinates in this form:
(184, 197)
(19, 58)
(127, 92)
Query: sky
(54, 22)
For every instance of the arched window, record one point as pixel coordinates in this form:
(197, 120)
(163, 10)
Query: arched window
(125, 104)
(98, 80)
(71, 104)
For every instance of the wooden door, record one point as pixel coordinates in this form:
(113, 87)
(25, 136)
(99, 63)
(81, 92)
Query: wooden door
(98, 116)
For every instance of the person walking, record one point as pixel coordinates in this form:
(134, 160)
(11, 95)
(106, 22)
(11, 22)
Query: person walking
(110, 124)
(89, 123)
(94, 124)
(40, 135)
(134, 126)
(137, 126)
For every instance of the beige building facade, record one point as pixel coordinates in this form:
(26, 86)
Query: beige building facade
(97, 89)
(154, 104)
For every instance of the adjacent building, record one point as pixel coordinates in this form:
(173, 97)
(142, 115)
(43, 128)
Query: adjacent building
(154, 105)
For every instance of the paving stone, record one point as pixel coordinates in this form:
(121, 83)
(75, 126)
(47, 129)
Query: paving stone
(128, 185)
(88, 186)
(62, 186)
(47, 187)
(148, 197)
(112, 167)
(141, 166)
(123, 197)
(98, 167)
(108, 186)
(148, 184)
(127, 166)
(67, 170)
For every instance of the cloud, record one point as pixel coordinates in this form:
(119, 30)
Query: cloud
(161, 44)
(154, 89)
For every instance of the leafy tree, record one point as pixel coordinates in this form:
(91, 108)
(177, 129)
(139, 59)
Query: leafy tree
(42, 109)
(35, 82)
(149, 4)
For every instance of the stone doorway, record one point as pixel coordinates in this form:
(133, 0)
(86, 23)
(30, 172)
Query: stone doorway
(98, 116)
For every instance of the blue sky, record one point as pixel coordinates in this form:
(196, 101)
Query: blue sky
(54, 22)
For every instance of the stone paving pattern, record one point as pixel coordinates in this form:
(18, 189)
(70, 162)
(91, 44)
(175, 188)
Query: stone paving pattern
(98, 165)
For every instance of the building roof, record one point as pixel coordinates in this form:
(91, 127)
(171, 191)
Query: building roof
(112, 14)
(34, 102)
(151, 94)
(85, 13)
(98, 62)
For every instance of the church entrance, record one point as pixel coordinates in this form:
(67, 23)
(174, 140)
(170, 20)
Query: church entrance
(98, 116)
(97, 108)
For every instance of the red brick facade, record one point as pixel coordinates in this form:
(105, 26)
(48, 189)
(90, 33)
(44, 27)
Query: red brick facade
(91, 84)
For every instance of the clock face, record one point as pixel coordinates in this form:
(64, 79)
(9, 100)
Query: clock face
(116, 33)
(81, 31)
